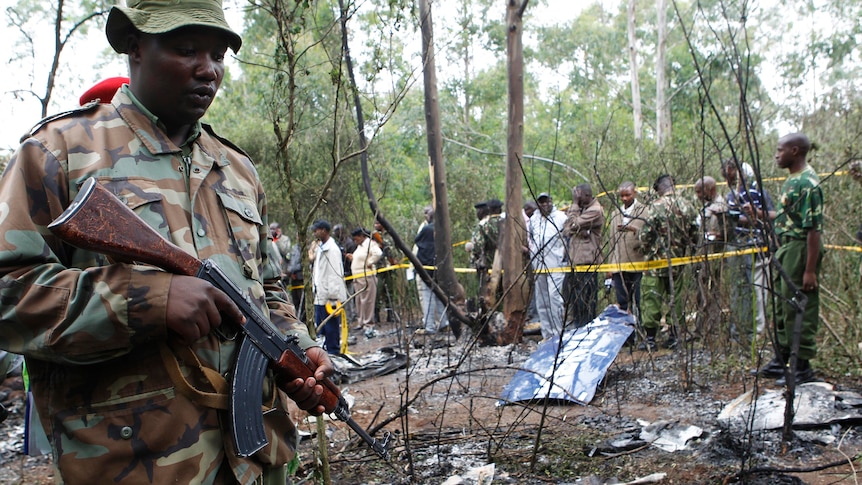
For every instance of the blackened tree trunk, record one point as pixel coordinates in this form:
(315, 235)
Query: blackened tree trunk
(452, 291)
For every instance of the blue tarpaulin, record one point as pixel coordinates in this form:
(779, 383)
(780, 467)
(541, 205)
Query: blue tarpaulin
(584, 357)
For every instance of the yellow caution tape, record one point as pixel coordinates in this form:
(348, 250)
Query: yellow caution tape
(637, 267)
(339, 311)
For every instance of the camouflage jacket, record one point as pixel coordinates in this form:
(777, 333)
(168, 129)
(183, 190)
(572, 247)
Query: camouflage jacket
(485, 238)
(93, 332)
(670, 229)
(800, 208)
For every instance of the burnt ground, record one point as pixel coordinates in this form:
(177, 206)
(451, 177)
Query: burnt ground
(447, 428)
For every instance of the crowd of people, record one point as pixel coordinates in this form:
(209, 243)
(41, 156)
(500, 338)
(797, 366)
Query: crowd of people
(566, 248)
(345, 277)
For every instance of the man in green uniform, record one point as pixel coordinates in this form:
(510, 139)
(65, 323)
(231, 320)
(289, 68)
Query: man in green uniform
(670, 231)
(483, 248)
(100, 338)
(798, 227)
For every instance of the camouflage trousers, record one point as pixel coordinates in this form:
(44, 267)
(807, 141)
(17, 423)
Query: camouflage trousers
(791, 255)
(655, 293)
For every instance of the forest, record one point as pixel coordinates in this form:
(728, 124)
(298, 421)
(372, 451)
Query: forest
(329, 99)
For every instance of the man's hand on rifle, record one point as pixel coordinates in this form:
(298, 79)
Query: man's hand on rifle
(195, 308)
(306, 392)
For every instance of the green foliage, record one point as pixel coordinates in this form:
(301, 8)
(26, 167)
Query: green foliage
(280, 110)
(290, 108)
(577, 123)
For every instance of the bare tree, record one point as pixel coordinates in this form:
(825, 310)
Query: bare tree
(445, 274)
(515, 278)
(19, 15)
(662, 106)
(637, 113)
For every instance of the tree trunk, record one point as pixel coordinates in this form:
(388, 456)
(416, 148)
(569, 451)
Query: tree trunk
(445, 274)
(633, 63)
(516, 283)
(464, 19)
(662, 108)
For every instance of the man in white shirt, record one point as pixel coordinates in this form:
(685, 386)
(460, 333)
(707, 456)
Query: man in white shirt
(327, 276)
(547, 256)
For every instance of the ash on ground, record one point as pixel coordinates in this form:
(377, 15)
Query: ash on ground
(446, 427)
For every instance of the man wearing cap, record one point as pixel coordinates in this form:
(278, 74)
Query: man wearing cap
(327, 279)
(547, 257)
(489, 239)
(100, 338)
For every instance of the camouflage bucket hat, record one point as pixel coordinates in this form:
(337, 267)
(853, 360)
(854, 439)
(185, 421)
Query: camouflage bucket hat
(162, 16)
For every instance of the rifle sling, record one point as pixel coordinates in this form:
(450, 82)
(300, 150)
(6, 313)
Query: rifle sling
(172, 354)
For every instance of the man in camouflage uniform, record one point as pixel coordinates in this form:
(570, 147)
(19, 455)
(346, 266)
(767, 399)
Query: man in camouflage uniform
(798, 227)
(712, 218)
(100, 337)
(669, 232)
(483, 247)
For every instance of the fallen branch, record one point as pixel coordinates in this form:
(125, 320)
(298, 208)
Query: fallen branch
(854, 356)
(765, 470)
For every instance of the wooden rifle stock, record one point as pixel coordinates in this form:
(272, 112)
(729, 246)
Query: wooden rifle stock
(106, 225)
(96, 220)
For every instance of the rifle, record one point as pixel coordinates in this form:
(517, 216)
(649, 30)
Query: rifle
(93, 221)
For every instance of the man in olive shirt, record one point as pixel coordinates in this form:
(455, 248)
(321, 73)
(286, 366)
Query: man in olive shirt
(798, 227)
